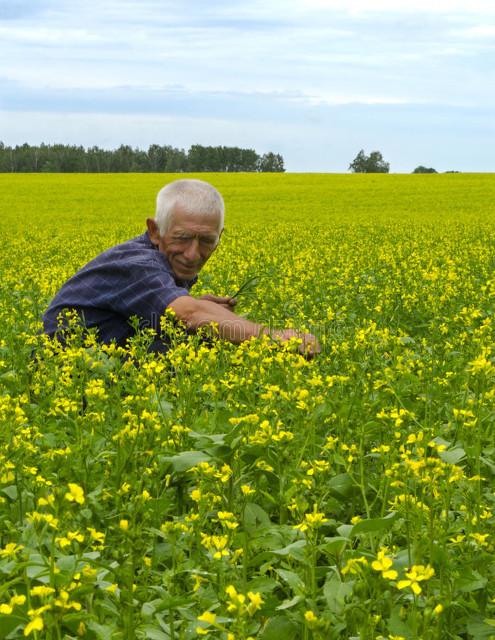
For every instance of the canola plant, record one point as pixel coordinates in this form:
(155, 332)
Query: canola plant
(238, 492)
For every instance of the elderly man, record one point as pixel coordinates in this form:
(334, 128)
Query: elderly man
(155, 271)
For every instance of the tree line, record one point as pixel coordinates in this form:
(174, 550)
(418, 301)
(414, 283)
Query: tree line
(63, 158)
(374, 163)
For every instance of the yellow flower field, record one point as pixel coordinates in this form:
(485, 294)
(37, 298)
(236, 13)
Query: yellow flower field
(246, 492)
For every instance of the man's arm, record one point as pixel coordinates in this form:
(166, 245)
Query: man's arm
(196, 313)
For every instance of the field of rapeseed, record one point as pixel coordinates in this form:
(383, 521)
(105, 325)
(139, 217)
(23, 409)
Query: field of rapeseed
(246, 492)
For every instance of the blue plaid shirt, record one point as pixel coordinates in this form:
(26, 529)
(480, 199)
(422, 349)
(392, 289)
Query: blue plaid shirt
(130, 279)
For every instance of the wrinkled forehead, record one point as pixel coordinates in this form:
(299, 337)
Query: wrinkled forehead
(195, 221)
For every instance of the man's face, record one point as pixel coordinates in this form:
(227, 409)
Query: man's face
(188, 243)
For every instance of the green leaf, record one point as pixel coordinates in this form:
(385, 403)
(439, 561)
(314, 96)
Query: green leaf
(152, 632)
(397, 626)
(452, 456)
(255, 517)
(10, 492)
(488, 463)
(293, 580)
(294, 550)
(67, 564)
(262, 584)
(341, 485)
(334, 546)
(279, 627)
(336, 592)
(164, 604)
(165, 407)
(481, 629)
(214, 438)
(186, 460)
(8, 623)
(470, 581)
(374, 525)
(288, 604)
(37, 566)
(345, 530)
(102, 631)
(7, 567)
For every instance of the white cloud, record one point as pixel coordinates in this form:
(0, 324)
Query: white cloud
(350, 98)
(405, 6)
(49, 36)
(481, 31)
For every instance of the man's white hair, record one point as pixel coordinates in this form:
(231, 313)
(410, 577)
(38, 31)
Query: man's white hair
(196, 196)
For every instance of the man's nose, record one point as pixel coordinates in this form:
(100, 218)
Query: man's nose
(191, 252)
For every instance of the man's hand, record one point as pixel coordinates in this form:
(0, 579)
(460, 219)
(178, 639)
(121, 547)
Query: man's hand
(309, 346)
(225, 302)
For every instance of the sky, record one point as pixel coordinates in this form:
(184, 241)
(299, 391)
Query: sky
(313, 80)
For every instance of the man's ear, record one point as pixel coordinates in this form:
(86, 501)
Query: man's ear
(153, 231)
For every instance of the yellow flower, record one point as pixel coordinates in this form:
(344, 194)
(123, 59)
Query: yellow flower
(198, 580)
(417, 574)
(383, 564)
(75, 535)
(97, 536)
(36, 624)
(41, 591)
(246, 490)
(239, 604)
(224, 474)
(312, 520)
(62, 541)
(216, 545)
(237, 599)
(10, 550)
(75, 493)
(124, 525)
(255, 602)
(124, 488)
(64, 603)
(34, 613)
(311, 619)
(227, 519)
(352, 565)
(208, 617)
(480, 538)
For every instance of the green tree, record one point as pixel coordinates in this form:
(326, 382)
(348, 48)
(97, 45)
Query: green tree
(422, 169)
(176, 160)
(271, 162)
(374, 163)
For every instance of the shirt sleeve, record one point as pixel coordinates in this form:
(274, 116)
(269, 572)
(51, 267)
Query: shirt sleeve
(145, 291)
